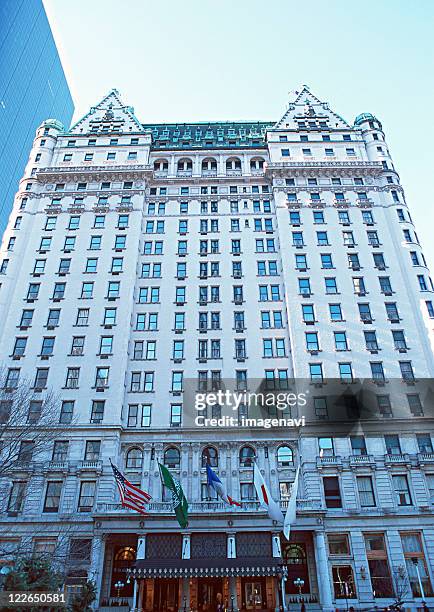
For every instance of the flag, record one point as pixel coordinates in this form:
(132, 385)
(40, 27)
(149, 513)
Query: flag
(264, 496)
(291, 511)
(131, 496)
(214, 481)
(180, 504)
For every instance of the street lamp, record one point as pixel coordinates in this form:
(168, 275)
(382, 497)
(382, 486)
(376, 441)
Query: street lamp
(119, 585)
(232, 603)
(185, 603)
(299, 584)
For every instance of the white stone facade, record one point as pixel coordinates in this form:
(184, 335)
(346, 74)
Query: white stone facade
(106, 217)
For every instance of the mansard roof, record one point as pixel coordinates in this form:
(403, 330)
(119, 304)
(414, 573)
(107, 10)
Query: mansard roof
(218, 134)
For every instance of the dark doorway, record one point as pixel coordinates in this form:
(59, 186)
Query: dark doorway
(295, 558)
(166, 595)
(209, 594)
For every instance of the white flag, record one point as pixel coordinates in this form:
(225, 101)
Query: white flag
(291, 511)
(264, 496)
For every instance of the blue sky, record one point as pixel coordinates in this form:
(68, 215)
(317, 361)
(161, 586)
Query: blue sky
(238, 59)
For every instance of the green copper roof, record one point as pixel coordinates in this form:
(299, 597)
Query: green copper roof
(208, 135)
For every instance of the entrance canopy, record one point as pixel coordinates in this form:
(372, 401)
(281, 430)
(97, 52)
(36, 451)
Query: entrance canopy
(206, 568)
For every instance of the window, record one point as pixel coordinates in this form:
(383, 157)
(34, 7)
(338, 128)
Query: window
(92, 450)
(376, 552)
(312, 343)
(41, 378)
(101, 377)
(134, 459)
(248, 492)
(247, 456)
(335, 312)
(308, 313)
(377, 371)
(315, 371)
(106, 345)
(72, 378)
(415, 560)
(430, 309)
(343, 582)
(424, 443)
(406, 371)
(393, 446)
(47, 346)
(358, 445)
(209, 457)
(392, 312)
(330, 286)
(87, 496)
(109, 316)
(82, 317)
(366, 491)
(320, 406)
(338, 544)
(341, 343)
(26, 318)
(332, 494)
(19, 347)
(371, 340)
(345, 371)
(177, 381)
(97, 411)
(325, 447)
(60, 451)
(16, 497)
(415, 404)
(52, 496)
(175, 415)
(66, 412)
(285, 456)
(402, 490)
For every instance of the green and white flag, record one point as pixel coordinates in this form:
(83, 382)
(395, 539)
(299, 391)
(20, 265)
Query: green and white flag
(180, 504)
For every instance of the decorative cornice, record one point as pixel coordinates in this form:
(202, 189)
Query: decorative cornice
(345, 168)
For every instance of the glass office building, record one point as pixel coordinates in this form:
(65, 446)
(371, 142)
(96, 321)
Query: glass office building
(32, 87)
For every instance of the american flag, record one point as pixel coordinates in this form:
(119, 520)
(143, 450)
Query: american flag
(131, 496)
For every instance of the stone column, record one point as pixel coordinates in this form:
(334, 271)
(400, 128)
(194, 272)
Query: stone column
(96, 564)
(322, 572)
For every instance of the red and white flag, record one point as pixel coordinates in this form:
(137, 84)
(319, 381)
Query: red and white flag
(131, 496)
(264, 496)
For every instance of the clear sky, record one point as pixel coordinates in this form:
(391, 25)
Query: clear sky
(238, 59)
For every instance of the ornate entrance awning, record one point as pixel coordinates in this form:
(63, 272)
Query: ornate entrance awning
(204, 568)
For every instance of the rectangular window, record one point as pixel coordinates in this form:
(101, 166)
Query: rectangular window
(366, 491)
(379, 570)
(402, 490)
(52, 496)
(332, 494)
(416, 564)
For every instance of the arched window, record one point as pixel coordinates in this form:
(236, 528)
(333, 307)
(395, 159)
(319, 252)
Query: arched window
(256, 163)
(209, 164)
(134, 458)
(161, 165)
(247, 456)
(233, 163)
(172, 457)
(184, 165)
(210, 455)
(285, 455)
(126, 553)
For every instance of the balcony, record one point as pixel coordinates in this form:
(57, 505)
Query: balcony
(91, 174)
(363, 460)
(398, 459)
(425, 458)
(329, 461)
(205, 507)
